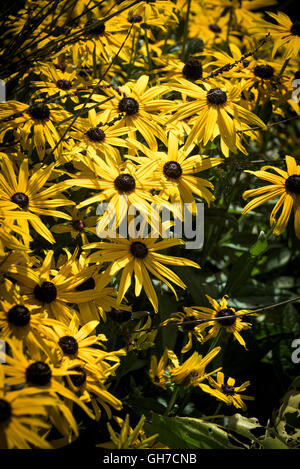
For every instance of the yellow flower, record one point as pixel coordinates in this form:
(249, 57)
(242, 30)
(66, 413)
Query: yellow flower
(185, 321)
(138, 256)
(227, 392)
(19, 320)
(219, 310)
(21, 416)
(98, 132)
(175, 171)
(28, 194)
(139, 107)
(193, 371)
(120, 187)
(128, 438)
(41, 377)
(286, 34)
(52, 289)
(37, 117)
(286, 186)
(216, 112)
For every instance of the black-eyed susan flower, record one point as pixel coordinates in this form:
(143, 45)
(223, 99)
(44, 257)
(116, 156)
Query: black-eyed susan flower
(185, 321)
(216, 111)
(227, 392)
(21, 417)
(41, 377)
(121, 187)
(55, 82)
(104, 296)
(98, 132)
(177, 172)
(53, 290)
(160, 370)
(92, 388)
(193, 370)
(141, 107)
(20, 321)
(72, 342)
(285, 185)
(127, 437)
(139, 256)
(30, 194)
(285, 33)
(82, 223)
(220, 310)
(35, 124)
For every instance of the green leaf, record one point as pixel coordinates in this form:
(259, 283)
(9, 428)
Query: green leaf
(194, 46)
(191, 433)
(287, 419)
(242, 268)
(260, 246)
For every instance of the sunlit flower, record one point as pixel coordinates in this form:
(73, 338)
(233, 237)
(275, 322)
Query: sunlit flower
(285, 185)
(227, 392)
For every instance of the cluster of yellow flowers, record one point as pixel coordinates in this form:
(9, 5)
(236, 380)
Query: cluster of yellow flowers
(115, 113)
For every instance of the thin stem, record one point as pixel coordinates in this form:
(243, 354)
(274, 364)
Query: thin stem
(171, 402)
(185, 33)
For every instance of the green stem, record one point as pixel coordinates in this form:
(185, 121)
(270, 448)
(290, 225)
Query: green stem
(228, 28)
(215, 342)
(285, 64)
(185, 33)
(148, 50)
(171, 402)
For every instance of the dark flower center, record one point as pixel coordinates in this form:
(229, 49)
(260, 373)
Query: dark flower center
(5, 410)
(135, 19)
(185, 324)
(120, 315)
(46, 293)
(192, 69)
(295, 28)
(139, 250)
(68, 344)
(172, 170)
(78, 225)
(223, 314)
(265, 72)
(64, 84)
(38, 374)
(216, 96)
(297, 75)
(245, 63)
(98, 29)
(39, 112)
(215, 28)
(124, 183)
(8, 277)
(88, 284)
(78, 380)
(228, 390)
(96, 135)
(84, 72)
(20, 199)
(59, 67)
(292, 184)
(129, 105)
(61, 30)
(18, 315)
